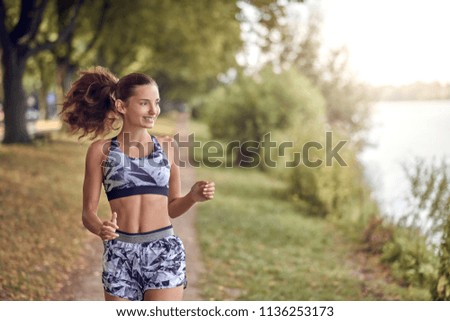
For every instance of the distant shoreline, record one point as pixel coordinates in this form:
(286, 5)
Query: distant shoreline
(415, 91)
(408, 100)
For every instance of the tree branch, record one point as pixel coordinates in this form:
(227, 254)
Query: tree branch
(22, 27)
(37, 21)
(63, 35)
(106, 4)
(4, 35)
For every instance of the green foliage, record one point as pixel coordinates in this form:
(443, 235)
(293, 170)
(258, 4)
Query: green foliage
(184, 44)
(412, 252)
(440, 289)
(347, 100)
(199, 40)
(335, 190)
(268, 31)
(251, 107)
(40, 73)
(377, 235)
(305, 192)
(429, 211)
(428, 198)
(412, 261)
(293, 41)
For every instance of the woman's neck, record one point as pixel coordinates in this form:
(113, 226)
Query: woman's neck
(129, 135)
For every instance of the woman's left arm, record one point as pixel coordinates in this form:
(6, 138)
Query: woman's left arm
(201, 191)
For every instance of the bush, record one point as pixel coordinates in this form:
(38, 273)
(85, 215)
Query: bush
(377, 235)
(334, 190)
(251, 107)
(412, 261)
(427, 219)
(440, 289)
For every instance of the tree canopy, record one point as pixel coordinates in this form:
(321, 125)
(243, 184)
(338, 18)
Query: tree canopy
(183, 44)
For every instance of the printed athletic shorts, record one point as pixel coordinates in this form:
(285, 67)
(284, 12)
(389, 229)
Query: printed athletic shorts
(135, 263)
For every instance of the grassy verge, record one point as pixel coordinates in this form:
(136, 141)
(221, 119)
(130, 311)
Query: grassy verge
(41, 231)
(41, 234)
(257, 246)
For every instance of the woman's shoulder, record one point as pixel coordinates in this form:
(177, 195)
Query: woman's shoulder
(164, 138)
(168, 144)
(99, 148)
(166, 141)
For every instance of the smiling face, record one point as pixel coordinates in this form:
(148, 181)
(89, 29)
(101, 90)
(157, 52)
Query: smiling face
(142, 108)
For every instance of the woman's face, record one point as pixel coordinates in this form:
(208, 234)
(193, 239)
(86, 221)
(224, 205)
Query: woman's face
(141, 109)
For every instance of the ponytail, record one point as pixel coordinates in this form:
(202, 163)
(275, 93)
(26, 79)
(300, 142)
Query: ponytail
(89, 106)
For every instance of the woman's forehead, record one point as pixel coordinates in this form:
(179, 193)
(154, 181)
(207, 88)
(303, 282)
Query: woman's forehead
(149, 91)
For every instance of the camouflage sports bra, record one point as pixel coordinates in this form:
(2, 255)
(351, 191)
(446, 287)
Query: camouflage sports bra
(124, 176)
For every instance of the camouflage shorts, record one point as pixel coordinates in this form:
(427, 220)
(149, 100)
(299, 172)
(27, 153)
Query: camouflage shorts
(134, 263)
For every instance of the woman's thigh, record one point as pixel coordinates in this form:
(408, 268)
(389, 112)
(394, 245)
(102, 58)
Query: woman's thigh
(172, 294)
(109, 297)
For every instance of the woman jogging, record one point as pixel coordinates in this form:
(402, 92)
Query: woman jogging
(143, 258)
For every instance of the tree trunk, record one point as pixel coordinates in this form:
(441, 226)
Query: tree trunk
(43, 108)
(64, 75)
(15, 101)
(68, 77)
(59, 89)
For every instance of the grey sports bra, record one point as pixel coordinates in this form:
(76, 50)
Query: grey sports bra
(124, 176)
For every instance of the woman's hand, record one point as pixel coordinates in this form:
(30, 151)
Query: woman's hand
(202, 191)
(108, 229)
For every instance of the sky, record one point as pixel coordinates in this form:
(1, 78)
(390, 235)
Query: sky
(391, 42)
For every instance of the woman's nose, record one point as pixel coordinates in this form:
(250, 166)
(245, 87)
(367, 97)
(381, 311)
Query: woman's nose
(153, 108)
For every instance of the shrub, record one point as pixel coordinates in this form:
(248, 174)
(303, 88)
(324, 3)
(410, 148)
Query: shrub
(411, 258)
(251, 107)
(440, 289)
(377, 235)
(427, 218)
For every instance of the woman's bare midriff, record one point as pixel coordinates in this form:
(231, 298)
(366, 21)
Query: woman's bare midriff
(141, 213)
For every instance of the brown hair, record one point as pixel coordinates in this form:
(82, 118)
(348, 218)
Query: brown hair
(89, 106)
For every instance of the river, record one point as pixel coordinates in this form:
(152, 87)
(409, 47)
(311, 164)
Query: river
(402, 131)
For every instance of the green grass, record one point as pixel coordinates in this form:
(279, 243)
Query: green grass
(257, 246)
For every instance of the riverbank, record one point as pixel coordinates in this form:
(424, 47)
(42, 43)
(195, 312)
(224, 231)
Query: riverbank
(401, 132)
(258, 246)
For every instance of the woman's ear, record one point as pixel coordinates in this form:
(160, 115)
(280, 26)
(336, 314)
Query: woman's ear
(120, 106)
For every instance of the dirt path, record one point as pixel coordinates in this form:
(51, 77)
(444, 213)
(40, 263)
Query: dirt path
(185, 225)
(85, 284)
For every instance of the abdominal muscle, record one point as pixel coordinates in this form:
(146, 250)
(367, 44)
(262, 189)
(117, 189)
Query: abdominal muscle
(141, 213)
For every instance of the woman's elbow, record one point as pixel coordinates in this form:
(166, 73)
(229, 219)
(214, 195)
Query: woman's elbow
(172, 214)
(86, 219)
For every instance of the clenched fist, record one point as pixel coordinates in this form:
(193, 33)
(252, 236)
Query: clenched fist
(203, 191)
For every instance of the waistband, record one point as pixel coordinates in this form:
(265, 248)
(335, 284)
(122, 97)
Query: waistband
(145, 237)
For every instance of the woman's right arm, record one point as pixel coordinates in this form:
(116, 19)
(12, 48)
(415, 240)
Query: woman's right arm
(91, 194)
